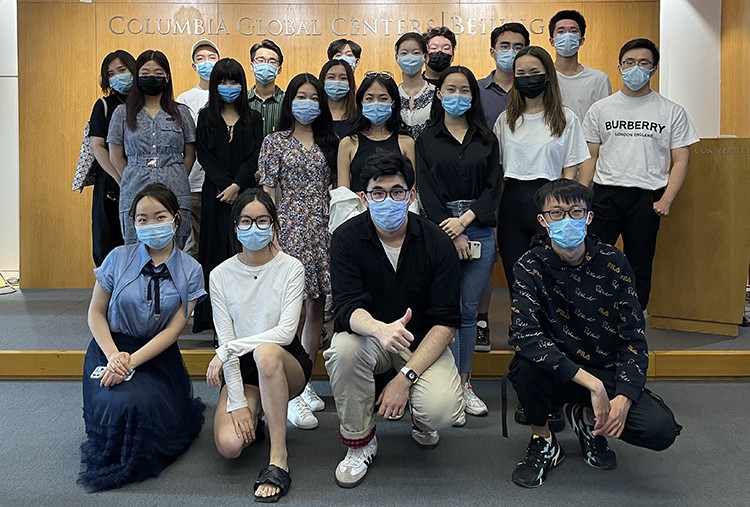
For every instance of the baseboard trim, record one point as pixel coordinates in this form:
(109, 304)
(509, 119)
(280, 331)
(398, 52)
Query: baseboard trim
(688, 364)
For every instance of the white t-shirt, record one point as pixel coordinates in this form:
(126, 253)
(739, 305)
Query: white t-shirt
(392, 252)
(636, 136)
(195, 98)
(531, 152)
(583, 89)
(253, 305)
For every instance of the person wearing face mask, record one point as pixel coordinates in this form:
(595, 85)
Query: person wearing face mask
(257, 297)
(117, 71)
(415, 93)
(345, 50)
(640, 149)
(338, 82)
(459, 167)
(379, 127)
(152, 139)
(265, 96)
(300, 161)
(396, 284)
(578, 333)
(204, 55)
(229, 135)
(441, 48)
(139, 412)
(580, 86)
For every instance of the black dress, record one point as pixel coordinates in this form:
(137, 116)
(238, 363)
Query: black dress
(224, 162)
(365, 148)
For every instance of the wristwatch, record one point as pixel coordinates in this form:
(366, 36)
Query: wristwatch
(410, 374)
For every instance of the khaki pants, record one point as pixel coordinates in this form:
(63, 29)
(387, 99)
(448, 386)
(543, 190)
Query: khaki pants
(436, 400)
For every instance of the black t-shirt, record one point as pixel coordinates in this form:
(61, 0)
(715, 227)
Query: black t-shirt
(99, 122)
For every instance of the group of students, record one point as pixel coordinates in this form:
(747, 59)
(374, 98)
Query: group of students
(484, 162)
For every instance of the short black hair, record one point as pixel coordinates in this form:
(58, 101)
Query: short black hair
(245, 198)
(387, 163)
(563, 190)
(571, 15)
(338, 45)
(161, 193)
(640, 44)
(440, 31)
(417, 37)
(510, 27)
(267, 44)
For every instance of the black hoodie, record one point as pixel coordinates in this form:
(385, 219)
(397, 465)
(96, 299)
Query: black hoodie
(566, 317)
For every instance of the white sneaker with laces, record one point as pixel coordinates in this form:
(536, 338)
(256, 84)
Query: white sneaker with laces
(298, 413)
(427, 439)
(312, 399)
(474, 406)
(460, 422)
(352, 469)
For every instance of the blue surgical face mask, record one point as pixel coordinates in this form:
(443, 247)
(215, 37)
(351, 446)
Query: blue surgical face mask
(121, 83)
(389, 215)
(336, 90)
(229, 93)
(155, 236)
(305, 110)
(204, 69)
(504, 60)
(456, 104)
(254, 238)
(377, 112)
(410, 64)
(568, 233)
(264, 73)
(636, 77)
(567, 44)
(351, 60)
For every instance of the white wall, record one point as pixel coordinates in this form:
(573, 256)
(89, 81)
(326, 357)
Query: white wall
(690, 65)
(9, 192)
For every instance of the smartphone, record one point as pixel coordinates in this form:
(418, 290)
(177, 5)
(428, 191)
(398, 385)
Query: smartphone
(98, 372)
(129, 376)
(476, 249)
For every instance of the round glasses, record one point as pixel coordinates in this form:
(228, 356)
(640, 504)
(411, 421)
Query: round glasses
(558, 214)
(263, 222)
(397, 194)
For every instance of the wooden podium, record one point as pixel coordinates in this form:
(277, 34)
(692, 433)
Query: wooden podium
(703, 250)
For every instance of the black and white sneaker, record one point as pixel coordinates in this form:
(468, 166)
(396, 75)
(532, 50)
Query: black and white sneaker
(594, 449)
(483, 337)
(541, 457)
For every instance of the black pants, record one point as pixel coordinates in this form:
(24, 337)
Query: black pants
(517, 223)
(650, 423)
(105, 216)
(629, 212)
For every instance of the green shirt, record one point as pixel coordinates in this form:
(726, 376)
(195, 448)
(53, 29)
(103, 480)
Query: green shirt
(269, 109)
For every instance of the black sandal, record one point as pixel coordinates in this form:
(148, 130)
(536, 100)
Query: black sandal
(274, 476)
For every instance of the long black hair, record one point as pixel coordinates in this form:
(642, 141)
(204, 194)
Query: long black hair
(126, 59)
(474, 116)
(135, 101)
(394, 123)
(322, 126)
(226, 69)
(245, 198)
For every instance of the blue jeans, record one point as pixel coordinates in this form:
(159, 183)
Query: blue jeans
(474, 275)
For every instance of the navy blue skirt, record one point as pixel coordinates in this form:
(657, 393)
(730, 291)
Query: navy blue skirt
(136, 428)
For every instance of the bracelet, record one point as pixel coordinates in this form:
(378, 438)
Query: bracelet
(460, 222)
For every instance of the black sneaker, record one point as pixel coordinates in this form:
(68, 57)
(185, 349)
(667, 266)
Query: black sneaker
(483, 337)
(541, 457)
(555, 420)
(594, 449)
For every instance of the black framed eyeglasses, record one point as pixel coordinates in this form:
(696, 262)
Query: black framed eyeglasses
(396, 193)
(245, 222)
(384, 74)
(558, 214)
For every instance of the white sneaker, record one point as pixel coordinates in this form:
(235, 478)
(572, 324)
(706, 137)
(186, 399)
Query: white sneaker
(474, 406)
(352, 469)
(298, 413)
(312, 399)
(460, 422)
(427, 439)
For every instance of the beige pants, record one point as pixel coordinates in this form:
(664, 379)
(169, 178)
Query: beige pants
(436, 400)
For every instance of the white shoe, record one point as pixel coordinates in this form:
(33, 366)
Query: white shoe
(312, 399)
(428, 439)
(460, 421)
(474, 406)
(298, 413)
(352, 469)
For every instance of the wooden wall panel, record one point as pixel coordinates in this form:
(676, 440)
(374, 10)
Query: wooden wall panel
(735, 74)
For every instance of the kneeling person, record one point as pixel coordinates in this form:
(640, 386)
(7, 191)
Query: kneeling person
(396, 280)
(579, 337)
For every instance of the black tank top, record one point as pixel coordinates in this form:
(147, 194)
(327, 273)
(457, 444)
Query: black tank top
(365, 148)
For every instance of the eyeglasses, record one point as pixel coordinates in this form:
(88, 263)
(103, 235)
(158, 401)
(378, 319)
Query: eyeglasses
(263, 222)
(505, 46)
(384, 74)
(261, 59)
(559, 214)
(646, 64)
(396, 193)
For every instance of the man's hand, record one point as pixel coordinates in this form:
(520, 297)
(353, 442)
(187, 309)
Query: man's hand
(661, 207)
(394, 336)
(461, 242)
(619, 407)
(601, 407)
(393, 399)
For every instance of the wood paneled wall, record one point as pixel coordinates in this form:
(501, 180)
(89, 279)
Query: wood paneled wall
(62, 42)
(735, 73)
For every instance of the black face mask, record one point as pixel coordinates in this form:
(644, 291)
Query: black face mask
(530, 86)
(152, 85)
(439, 61)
